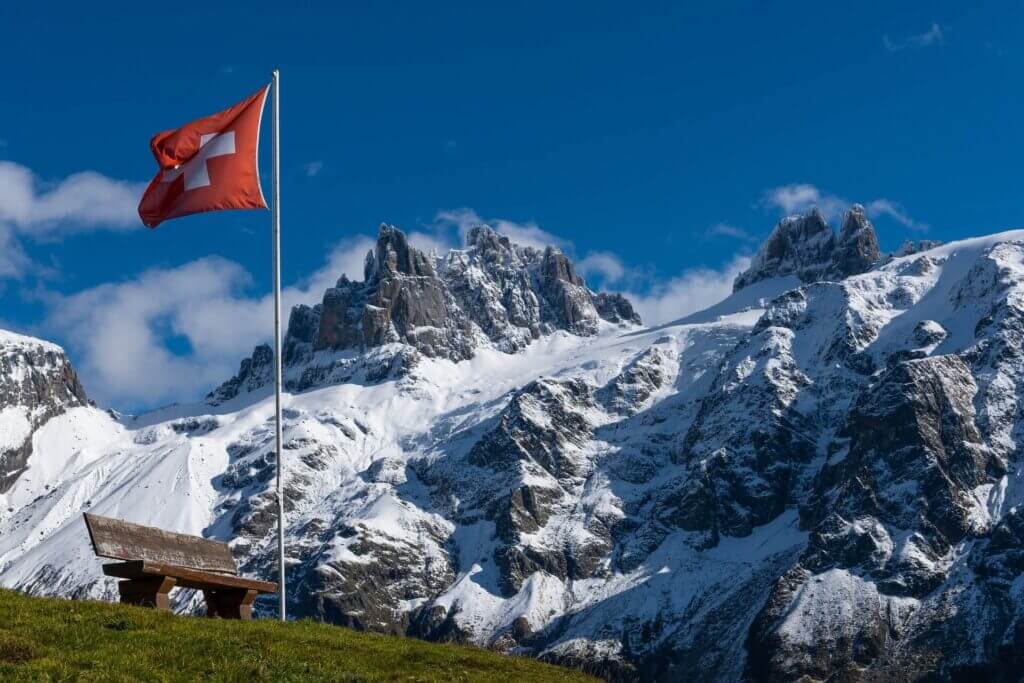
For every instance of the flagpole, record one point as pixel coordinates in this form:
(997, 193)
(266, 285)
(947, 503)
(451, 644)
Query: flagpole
(276, 133)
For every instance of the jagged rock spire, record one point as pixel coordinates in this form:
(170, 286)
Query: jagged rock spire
(805, 246)
(857, 249)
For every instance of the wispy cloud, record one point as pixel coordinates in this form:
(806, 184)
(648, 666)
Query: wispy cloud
(14, 263)
(933, 36)
(603, 266)
(313, 168)
(801, 197)
(886, 207)
(692, 290)
(730, 231)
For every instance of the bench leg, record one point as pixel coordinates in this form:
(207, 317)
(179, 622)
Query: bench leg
(229, 603)
(150, 592)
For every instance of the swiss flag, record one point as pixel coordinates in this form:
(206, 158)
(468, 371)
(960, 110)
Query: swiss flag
(208, 165)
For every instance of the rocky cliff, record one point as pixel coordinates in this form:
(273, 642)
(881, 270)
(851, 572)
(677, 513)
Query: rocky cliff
(37, 383)
(807, 247)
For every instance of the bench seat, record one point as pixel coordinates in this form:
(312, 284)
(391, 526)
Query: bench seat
(155, 561)
(185, 577)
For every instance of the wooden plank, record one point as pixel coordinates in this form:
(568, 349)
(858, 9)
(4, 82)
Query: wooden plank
(120, 540)
(185, 576)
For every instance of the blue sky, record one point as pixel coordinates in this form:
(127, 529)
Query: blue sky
(657, 143)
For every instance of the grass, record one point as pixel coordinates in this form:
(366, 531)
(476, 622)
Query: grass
(44, 639)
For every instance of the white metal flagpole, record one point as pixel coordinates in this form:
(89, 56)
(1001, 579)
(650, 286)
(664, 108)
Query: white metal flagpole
(277, 336)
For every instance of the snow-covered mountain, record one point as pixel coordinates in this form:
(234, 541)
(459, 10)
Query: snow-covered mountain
(37, 383)
(817, 479)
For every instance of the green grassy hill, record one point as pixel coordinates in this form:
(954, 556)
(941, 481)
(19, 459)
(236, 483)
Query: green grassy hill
(62, 640)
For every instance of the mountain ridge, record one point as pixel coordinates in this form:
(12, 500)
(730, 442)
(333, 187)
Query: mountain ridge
(492, 292)
(820, 479)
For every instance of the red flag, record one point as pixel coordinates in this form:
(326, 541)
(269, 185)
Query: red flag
(208, 165)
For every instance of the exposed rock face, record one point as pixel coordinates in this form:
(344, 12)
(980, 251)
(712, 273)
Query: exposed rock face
(901, 503)
(616, 308)
(915, 457)
(401, 300)
(885, 523)
(254, 372)
(571, 302)
(492, 292)
(526, 469)
(910, 247)
(37, 383)
(805, 246)
(629, 392)
(857, 248)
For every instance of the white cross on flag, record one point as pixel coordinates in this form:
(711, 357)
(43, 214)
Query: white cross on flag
(210, 164)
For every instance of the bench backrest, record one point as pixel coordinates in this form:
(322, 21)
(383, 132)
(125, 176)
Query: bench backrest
(120, 540)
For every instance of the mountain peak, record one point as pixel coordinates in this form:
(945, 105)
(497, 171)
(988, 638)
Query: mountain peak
(394, 255)
(494, 292)
(857, 249)
(37, 382)
(806, 246)
(484, 236)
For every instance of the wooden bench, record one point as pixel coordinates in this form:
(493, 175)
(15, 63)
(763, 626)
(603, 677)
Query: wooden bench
(155, 561)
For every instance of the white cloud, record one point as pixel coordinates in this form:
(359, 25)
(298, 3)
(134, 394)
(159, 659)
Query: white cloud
(933, 36)
(36, 210)
(801, 197)
(80, 202)
(691, 291)
(604, 265)
(14, 263)
(886, 207)
(120, 333)
(727, 230)
(313, 168)
(347, 257)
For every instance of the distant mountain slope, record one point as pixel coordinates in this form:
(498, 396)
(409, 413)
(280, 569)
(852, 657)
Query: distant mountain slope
(819, 477)
(37, 382)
